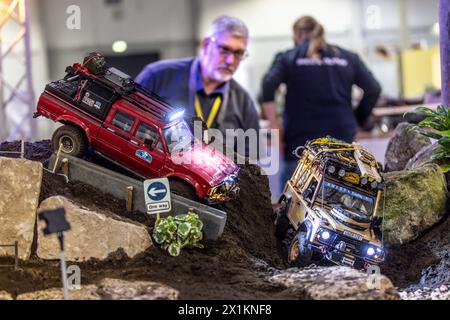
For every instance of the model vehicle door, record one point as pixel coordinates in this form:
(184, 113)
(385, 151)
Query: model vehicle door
(147, 159)
(114, 136)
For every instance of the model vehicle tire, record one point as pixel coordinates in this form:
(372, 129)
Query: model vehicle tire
(282, 224)
(299, 255)
(183, 189)
(72, 139)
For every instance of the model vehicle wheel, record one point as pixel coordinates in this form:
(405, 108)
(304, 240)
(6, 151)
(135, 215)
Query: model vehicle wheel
(71, 139)
(299, 255)
(183, 189)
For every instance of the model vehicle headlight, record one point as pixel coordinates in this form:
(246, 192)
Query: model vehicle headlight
(364, 181)
(370, 251)
(176, 114)
(374, 184)
(325, 235)
(331, 169)
(341, 173)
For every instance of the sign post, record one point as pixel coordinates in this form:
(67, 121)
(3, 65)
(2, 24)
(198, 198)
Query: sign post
(57, 224)
(157, 196)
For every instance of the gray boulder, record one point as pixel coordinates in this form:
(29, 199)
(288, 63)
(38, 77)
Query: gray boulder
(88, 292)
(415, 201)
(109, 289)
(335, 283)
(5, 296)
(423, 157)
(92, 235)
(115, 289)
(405, 144)
(20, 188)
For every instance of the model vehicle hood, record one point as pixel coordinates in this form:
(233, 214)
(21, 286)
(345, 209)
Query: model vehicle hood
(340, 223)
(207, 162)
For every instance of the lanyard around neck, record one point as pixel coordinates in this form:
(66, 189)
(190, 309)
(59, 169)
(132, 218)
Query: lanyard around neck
(212, 114)
(193, 74)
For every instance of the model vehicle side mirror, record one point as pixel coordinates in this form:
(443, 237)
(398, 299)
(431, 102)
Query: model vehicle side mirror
(149, 143)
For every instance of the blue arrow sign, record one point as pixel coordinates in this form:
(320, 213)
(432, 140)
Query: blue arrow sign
(156, 191)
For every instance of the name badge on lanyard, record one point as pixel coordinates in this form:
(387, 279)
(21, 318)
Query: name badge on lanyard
(212, 114)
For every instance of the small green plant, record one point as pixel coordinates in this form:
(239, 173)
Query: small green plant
(175, 233)
(436, 125)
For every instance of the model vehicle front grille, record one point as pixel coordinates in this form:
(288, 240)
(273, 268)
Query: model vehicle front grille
(349, 245)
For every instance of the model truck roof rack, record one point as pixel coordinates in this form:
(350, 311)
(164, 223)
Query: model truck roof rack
(129, 90)
(350, 155)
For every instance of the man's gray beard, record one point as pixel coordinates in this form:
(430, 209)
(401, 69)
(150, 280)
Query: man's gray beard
(221, 77)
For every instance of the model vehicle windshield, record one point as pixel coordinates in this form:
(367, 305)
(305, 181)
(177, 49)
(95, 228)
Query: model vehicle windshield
(178, 137)
(347, 198)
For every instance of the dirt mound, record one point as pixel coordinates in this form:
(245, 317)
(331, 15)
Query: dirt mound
(249, 217)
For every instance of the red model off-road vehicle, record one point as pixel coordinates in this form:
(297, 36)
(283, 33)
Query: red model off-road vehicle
(133, 127)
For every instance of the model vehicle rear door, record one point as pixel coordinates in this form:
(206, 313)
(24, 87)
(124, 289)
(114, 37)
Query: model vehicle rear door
(115, 134)
(146, 160)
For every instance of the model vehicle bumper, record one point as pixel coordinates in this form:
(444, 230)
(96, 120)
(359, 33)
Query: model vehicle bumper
(344, 258)
(227, 190)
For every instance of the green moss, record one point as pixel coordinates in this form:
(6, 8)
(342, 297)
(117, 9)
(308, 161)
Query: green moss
(414, 201)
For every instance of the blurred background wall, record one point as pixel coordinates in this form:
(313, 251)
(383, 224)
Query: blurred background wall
(172, 29)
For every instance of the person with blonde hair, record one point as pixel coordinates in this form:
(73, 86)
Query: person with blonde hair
(319, 78)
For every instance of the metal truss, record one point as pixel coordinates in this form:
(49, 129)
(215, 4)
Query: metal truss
(16, 88)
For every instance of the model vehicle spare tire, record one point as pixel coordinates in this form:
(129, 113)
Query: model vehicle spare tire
(72, 140)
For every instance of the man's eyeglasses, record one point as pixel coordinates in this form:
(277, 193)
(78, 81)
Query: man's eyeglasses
(226, 51)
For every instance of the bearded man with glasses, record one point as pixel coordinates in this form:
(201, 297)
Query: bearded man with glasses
(204, 85)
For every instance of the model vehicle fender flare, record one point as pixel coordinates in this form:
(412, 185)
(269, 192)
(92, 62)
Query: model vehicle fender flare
(70, 120)
(189, 180)
(308, 227)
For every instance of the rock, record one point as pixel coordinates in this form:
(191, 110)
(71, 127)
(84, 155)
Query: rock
(405, 144)
(332, 283)
(423, 157)
(92, 235)
(20, 187)
(109, 289)
(115, 289)
(415, 201)
(83, 293)
(432, 294)
(5, 296)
